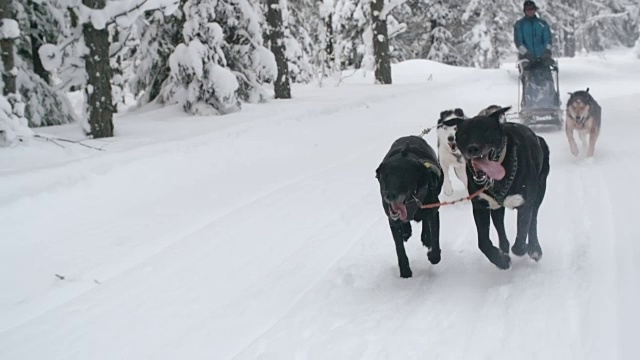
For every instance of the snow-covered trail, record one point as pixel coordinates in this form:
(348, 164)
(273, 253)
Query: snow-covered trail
(266, 240)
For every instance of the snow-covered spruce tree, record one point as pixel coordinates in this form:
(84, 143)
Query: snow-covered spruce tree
(275, 31)
(13, 125)
(362, 31)
(414, 41)
(119, 60)
(302, 33)
(221, 59)
(327, 38)
(441, 48)
(350, 21)
(158, 35)
(12, 122)
(83, 59)
(40, 22)
(200, 80)
(9, 32)
(489, 33)
(562, 16)
(605, 25)
(242, 23)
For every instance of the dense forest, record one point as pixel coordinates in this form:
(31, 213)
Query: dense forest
(211, 56)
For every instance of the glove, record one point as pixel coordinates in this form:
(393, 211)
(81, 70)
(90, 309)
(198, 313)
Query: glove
(522, 50)
(546, 54)
(529, 56)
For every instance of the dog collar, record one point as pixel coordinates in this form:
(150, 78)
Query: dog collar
(500, 154)
(498, 189)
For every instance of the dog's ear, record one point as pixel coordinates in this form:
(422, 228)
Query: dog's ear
(500, 112)
(405, 150)
(458, 112)
(570, 93)
(587, 90)
(379, 170)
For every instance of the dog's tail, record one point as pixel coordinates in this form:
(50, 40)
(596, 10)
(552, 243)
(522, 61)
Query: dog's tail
(545, 155)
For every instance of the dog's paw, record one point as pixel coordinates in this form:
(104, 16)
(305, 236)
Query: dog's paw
(574, 150)
(434, 256)
(519, 248)
(405, 273)
(502, 261)
(535, 252)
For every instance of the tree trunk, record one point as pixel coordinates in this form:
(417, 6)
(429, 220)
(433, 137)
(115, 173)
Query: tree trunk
(7, 52)
(380, 43)
(282, 87)
(98, 90)
(329, 48)
(569, 40)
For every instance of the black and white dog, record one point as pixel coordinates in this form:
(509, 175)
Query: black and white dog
(448, 153)
(409, 176)
(512, 163)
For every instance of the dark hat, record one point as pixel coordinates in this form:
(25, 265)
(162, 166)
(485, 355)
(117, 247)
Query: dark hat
(529, 3)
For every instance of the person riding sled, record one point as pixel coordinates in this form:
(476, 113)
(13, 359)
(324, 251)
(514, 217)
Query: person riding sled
(532, 37)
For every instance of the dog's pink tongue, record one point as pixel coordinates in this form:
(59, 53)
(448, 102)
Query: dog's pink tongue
(493, 169)
(399, 209)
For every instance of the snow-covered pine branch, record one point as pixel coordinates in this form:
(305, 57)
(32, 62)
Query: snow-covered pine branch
(591, 21)
(389, 6)
(13, 124)
(123, 12)
(9, 29)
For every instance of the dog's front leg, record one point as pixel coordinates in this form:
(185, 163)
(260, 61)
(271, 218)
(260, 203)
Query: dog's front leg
(593, 137)
(431, 236)
(398, 239)
(497, 217)
(583, 139)
(497, 257)
(446, 186)
(461, 173)
(519, 248)
(569, 131)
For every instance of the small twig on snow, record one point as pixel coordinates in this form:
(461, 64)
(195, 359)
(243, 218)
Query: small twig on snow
(79, 142)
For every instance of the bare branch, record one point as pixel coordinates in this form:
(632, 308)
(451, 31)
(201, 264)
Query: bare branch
(55, 139)
(594, 19)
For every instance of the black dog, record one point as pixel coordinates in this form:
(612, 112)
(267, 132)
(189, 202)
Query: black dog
(410, 176)
(512, 163)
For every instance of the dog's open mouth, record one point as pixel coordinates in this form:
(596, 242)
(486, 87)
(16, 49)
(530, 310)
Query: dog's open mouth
(398, 210)
(453, 146)
(483, 168)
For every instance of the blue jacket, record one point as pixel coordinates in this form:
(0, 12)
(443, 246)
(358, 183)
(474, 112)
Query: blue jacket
(532, 34)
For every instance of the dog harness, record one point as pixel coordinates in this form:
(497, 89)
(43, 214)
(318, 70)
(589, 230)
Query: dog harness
(414, 203)
(432, 166)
